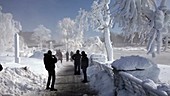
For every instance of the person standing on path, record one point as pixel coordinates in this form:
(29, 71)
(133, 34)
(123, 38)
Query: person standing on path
(59, 55)
(84, 65)
(49, 61)
(67, 56)
(76, 57)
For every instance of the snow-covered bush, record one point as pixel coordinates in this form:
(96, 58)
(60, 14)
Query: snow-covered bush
(139, 67)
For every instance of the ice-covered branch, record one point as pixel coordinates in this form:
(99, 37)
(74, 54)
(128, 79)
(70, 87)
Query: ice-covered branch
(145, 17)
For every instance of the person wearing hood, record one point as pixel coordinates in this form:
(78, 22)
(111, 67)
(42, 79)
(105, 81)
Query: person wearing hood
(76, 57)
(84, 65)
(49, 62)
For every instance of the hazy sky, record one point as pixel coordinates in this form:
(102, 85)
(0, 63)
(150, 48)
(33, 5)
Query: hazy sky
(32, 13)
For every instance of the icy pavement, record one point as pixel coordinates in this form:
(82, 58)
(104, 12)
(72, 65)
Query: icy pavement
(67, 84)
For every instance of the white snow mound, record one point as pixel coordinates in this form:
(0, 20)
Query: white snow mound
(132, 63)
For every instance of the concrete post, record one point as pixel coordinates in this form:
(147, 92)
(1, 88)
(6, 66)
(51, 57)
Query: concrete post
(17, 59)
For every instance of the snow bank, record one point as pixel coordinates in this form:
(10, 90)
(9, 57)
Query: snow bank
(17, 81)
(139, 67)
(131, 63)
(100, 80)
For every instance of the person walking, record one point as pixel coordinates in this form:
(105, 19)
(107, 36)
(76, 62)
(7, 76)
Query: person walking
(59, 55)
(67, 56)
(84, 65)
(49, 62)
(76, 57)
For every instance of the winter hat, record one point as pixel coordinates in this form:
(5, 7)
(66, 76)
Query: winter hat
(77, 52)
(83, 53)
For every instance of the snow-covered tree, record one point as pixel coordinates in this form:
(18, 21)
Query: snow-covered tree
(8, 27)
(66, 28)
(41, 35)
(145, 17)
(81, 26)
(101, 20)
(72, 30)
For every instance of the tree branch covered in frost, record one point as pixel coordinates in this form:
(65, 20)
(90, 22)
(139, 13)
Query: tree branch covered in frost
(144, 17)
(8, 27)
(100, 20)
(41, 34)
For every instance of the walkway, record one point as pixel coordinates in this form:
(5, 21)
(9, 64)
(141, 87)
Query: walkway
(68, 84)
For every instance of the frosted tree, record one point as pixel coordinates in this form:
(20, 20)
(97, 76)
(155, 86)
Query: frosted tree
(67, 28)
(81, 26)
(101, 20)
(73, 30)
(8, 27)
(41, 35)
(145, 17)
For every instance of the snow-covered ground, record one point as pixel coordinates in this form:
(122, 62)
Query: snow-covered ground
(16, 79)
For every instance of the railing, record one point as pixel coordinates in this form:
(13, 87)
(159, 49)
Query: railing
(136, 86)
(124, 80)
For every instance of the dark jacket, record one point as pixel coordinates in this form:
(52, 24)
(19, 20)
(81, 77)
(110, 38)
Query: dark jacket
(49, 61)
(84, 61)
(1, 67)
(76, 57)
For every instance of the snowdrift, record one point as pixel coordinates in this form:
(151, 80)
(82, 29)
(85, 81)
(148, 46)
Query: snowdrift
(138, 66)
(17, 81)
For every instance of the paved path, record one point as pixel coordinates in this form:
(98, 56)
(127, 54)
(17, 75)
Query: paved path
(68, 84)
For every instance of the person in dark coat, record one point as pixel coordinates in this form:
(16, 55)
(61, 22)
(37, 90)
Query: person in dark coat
(84, 65)
(1, 67)
(49, 61)
(67, 56)
(76, 57)
(59, 55)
